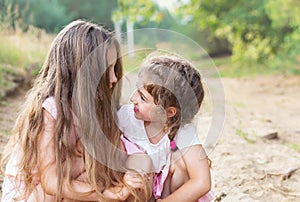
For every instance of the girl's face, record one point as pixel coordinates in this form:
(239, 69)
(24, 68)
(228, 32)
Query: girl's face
(144, 107)
(112, 60)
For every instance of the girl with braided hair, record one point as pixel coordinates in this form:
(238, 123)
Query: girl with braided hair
(158, 122)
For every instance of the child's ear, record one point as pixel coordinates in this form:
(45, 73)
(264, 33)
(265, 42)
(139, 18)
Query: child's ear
(171, 111)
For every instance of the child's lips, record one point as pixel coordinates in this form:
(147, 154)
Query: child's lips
(135, 110)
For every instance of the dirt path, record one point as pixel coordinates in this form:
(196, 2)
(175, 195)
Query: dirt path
(246, 165)
(8, 113)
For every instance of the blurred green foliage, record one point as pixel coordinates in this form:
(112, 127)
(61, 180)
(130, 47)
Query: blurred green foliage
(261, 35)
(138, 11)
(52, 15)
(263, 31)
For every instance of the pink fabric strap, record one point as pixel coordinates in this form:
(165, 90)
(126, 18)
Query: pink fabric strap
(131, 148)
(50, 105)
(209, 196)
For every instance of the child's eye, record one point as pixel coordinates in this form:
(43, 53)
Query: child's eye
(143, 98)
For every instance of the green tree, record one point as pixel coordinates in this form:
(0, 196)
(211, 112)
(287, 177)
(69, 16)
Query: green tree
(95, 10)
(52, 15)
(258, 30)
(131, 12)
(282, 13)
(49, 15)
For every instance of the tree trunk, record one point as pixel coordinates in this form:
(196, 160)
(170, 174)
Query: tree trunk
(117, 26)
(130, 38)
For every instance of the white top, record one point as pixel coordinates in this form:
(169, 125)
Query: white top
(134, 130)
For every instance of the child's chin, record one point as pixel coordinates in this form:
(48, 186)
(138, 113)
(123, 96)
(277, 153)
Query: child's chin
(137, 116)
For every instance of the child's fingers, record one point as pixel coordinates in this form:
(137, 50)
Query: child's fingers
(142, 175)
(147, 176)
(134, 180)
(135, 184)
(128, 176)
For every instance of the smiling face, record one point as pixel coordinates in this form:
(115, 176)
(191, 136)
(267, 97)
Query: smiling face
(111, 61)
(145, 108)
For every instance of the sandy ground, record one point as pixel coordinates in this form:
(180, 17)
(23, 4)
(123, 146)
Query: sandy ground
(247, 166)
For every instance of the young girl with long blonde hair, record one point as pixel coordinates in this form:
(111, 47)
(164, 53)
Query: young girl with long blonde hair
(66, 128)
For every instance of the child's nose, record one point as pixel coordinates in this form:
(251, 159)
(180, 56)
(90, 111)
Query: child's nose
(133, 98)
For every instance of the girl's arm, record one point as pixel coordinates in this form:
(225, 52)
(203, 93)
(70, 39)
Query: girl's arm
(49, 178)
(47, 166)
(199, 182)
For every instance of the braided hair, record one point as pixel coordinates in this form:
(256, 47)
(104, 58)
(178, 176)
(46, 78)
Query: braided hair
(173, 82)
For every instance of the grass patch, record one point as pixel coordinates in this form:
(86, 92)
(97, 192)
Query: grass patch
(239, 105)
(293, 146)
(21, 55)
(21, 49)
(219, 61)
(6, 133)
(229, 68)
(244, 135)
(9, 78)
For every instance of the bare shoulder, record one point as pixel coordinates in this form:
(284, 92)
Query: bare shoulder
(194, 151)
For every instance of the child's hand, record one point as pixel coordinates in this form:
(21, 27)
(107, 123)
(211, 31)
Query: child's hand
(120, 193)
(133, 179)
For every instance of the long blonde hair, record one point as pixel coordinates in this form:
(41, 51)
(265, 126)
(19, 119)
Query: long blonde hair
(77, 56)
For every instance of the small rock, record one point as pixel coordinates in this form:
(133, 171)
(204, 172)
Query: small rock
(271, 136)
(220, 197)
